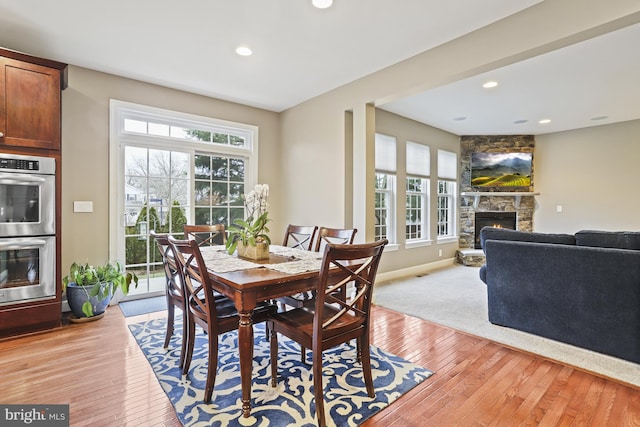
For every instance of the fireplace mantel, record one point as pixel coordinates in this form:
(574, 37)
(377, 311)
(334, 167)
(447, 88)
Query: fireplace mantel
(517, 194)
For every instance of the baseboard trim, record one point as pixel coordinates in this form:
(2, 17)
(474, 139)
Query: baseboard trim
(414, 271)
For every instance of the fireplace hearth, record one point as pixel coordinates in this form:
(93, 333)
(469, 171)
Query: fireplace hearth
(493, 219)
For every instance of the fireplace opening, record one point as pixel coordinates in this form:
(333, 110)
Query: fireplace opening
(493, 219)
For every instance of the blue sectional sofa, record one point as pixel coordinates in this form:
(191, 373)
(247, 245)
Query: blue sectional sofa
(581, 289)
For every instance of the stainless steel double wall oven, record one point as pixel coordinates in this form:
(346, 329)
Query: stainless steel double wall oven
(27, 228)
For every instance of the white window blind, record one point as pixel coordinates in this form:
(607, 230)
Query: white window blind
(385, 153)
(418, 162)
(447, 164)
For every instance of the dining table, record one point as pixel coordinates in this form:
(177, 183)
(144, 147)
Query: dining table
(247, 282)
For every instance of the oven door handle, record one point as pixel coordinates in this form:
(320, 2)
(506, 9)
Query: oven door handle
(19, 179)
(17, 244)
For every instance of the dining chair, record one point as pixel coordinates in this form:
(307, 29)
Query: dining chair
(342, 236)
(332, 320)
(206, 235)
(325, 235)
(215, 315)
(173, 290)
(300, 236)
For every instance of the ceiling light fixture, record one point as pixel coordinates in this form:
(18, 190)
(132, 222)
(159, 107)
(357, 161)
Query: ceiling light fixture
(544, 121)
(521, 121)
(243, 51)
(459, 118)
(322, 4)
(489, 85)
(599, 118)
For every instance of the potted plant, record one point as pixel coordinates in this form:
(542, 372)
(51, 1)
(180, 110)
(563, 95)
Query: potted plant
(90, 289)
(249, 236)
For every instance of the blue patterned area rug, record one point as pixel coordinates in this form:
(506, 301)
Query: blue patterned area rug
(292, 401)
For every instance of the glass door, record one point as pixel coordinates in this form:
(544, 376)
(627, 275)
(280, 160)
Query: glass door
(156, 197)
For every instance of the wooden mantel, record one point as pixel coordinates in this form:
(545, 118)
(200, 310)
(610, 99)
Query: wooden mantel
(517, 194)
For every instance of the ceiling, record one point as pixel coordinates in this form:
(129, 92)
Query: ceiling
(300, 52)
(591, 83)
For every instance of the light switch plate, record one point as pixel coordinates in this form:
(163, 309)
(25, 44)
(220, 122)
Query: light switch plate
(83, 206)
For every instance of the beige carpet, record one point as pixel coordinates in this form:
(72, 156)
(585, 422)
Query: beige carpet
(456, 297)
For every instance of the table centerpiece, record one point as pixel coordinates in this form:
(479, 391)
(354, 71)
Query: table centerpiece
(249, 236)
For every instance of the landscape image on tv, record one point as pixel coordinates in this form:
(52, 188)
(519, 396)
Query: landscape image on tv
(501, 169)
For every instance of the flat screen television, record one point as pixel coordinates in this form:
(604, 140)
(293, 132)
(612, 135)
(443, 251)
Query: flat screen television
(501, 169)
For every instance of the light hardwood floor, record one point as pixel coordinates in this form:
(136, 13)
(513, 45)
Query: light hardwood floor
(99, 370)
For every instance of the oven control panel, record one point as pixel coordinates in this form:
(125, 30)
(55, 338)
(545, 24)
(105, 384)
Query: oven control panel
(20, 164)
(27, 164)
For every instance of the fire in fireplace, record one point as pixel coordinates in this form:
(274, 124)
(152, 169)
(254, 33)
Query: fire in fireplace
(493, 219)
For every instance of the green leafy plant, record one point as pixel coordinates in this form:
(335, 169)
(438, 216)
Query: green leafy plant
(253, 229)
(101, 281)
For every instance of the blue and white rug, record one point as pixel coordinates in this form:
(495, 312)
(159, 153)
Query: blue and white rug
(292, 401)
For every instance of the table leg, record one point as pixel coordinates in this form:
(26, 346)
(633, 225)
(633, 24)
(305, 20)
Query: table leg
(245, 342)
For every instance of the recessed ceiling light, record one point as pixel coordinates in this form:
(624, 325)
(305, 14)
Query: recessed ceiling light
(519, 122)
(243, 51)
(544, 121)
(599, 117)
(489, 85)
(460, 118)
(322, 4)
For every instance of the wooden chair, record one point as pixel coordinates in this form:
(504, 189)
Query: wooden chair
(333, 321)
(173, 291)
(300, 236)
(206, 235)
(325, 235)
(215, 315)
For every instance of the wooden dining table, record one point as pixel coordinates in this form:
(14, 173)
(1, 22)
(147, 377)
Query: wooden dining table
(249, 286)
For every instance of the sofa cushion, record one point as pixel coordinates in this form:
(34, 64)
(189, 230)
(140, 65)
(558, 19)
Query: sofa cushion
(609, 239)
(493, 233)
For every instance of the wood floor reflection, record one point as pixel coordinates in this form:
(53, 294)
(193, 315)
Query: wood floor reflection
(99, 370)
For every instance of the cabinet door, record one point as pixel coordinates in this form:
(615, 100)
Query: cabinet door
(29, 105)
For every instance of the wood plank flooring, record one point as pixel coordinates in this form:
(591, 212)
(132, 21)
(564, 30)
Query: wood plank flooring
(99, 370)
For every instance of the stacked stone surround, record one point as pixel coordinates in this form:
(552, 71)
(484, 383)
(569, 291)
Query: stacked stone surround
(467, 255)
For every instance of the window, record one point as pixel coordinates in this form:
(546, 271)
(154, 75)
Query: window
(384, 206)
(447, 173)
(173, 169)
(385, 154)
(416, 209)
(417, 192)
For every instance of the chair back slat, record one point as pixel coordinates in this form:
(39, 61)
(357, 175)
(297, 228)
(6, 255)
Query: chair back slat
(300, 236)
(337, 236)
(206, 235)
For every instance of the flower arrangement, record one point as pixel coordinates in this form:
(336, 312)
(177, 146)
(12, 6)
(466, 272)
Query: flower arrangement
(253, 229)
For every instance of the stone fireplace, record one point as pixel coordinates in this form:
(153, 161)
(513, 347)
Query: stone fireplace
(517, 203)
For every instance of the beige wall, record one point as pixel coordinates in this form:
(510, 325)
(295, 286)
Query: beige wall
(404, 130)
(313, 140)
(593, 173)
(85, 151)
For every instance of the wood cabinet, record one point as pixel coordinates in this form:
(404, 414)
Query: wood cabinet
(30, 123)
(30, 98)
